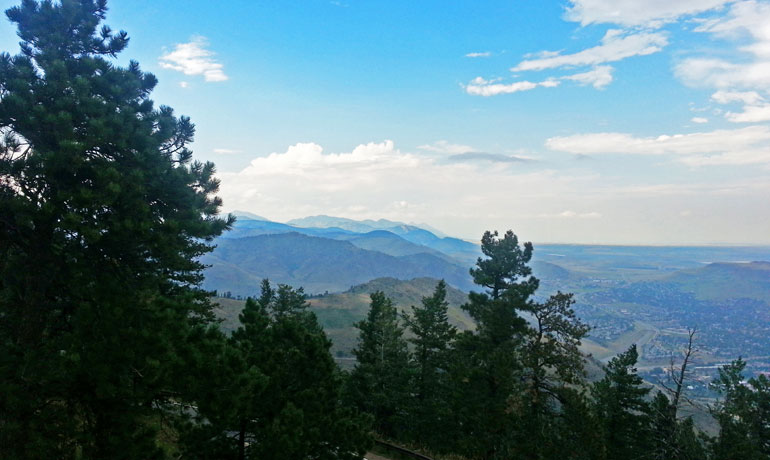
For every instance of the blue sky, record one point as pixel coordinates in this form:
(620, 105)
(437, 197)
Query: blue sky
(582, 121)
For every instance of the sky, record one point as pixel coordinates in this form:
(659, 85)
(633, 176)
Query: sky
(574, 121)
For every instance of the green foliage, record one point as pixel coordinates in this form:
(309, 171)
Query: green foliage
(672, 439)
(621, 406)
(433, 337)
(505, 270)
(280, 397)
(103, 216)
(487, 365)
(553, 366)
(743, 415)
(378, 384)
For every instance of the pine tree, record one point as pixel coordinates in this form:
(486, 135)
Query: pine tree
(378, 384)
(743, 413)
(553, 368)
(671, 438)
(487, 363)
(622, 409)
(103, 215)
(674, 438)
(279, 397)
(433, 336)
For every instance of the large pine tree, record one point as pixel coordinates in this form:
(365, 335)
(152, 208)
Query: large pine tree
(378, 384)
(103, 215)
(487, 367)
(433, 337)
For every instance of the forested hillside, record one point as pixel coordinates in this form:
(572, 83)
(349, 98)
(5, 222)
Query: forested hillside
(338, 313)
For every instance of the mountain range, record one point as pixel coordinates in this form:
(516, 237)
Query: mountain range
(332, 258)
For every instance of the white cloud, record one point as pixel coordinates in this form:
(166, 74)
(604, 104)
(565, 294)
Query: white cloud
(479, 54)
(746, 18)
(193, 58)
(305, 158)
(615, 46)
(722, 74)
(183, 84)
(481, 87)
(699, 120)
(750, 145)
(750, 114)
(744, 78)
(445, 147)
(755, 109)
(381, 181)
(598, 77)
(726, 97)
(377, 180)
(631, 13)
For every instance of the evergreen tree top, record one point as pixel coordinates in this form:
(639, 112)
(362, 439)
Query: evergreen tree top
(505, 271)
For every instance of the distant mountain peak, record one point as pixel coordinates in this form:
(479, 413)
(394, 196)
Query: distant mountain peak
(249, 216)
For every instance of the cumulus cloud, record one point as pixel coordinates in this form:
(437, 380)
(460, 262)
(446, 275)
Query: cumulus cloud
(750, 145)
(479, 54)
(615, 46)
(193, 58)
(377, 180)
(699, 120)
(305, 180)
(632, 13)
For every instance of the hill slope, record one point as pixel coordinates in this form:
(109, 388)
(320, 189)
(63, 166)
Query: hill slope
(720, 281)
(339, 312)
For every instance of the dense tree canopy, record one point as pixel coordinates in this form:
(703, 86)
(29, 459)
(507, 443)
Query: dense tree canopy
(103, 214)
(281, 397)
